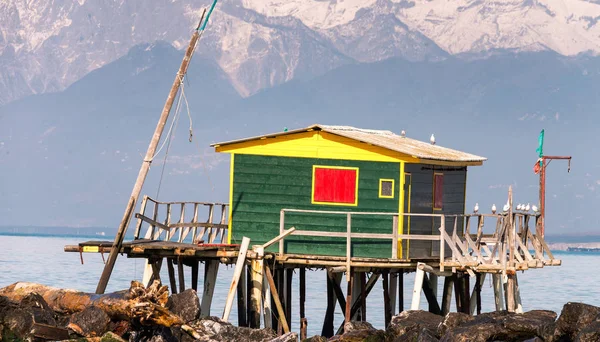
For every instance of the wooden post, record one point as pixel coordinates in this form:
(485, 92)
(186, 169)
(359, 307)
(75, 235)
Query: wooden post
(257, 286)
(498, 295)
(393, 287)
(350, 281)
(518, 303)
(327, 330)
(280, 311)
(447, 294)
(181, 274)
(302, 295)
(361, 293)
(466, 297)
(242, 295)
(458, 291)
(267, 308)
(171, 271)
(434, 306)
(211, 269)
(433, 282)
(387, 308)
(289, 275)
(416, 295)
(475, 302)
(137, 188)
(195, 269)
(400, 291)
(239, 267)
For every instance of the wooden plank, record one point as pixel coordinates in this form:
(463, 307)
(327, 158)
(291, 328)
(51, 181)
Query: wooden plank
(256, 272)
(275, 296)
(48, 332)
(392, 290)
(387, 305)
(363, 296)
(327, 330)
(195, 269)
(430, 295)
(289, 276)
(139, 223)
(350, 281)
(181, 274)
(239, 267)
(242, 297)
(337, 290)
(418, 285)
(498, 295)
(266, 304)
(395, 237)
(471, 244)
(400, 291)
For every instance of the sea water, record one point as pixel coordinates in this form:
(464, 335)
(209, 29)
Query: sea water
(41, 259)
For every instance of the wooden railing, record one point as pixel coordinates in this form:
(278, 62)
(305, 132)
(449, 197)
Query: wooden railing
(187, 226)
(508, 247)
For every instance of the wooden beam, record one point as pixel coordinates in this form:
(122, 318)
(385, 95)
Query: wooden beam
(181, 274)
(239, 267)
(242, 296)
(327, 330)
(418, 286)
(447, 294)
(400, 291)
(256, 272)
(387, 308)
(434, 306)
(498, 295)
(195, 270)
(211, 269)
(350, 281)
(302, 296)
(275, 297)
(171, 271)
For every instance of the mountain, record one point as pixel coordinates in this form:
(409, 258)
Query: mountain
(45, 46)
(74, 155)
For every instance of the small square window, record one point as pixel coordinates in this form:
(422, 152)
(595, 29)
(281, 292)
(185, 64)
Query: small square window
(386, 188)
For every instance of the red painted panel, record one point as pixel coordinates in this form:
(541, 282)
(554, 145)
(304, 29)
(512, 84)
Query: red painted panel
(335, 185)
(438, 192)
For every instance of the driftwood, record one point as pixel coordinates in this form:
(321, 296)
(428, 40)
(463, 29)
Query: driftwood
(140, 304)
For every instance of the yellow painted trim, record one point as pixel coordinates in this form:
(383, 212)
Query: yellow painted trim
(316, 144)
(229, 220)
(312, 196)
(408, 219)
(449, 163)
(401, 208)
(433, 197)
(393, 188)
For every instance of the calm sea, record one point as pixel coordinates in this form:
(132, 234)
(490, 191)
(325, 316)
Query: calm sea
(42, 260)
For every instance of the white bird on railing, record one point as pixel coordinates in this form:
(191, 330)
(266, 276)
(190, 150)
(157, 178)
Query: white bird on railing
(506, 207)
(518, 206)
(432, 140)
(534, 208)
(493, 208)
(527, 207)
(476, 209)
(403, 134)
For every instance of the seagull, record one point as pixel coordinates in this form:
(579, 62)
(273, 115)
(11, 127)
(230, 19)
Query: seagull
(527, 207)
(432, 139)
(493, 208)
(476, 209)
(506, 207)
(534, 208)
(518, 207)
(403, 134)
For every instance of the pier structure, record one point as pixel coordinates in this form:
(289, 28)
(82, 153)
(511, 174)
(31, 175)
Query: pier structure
(184, 235)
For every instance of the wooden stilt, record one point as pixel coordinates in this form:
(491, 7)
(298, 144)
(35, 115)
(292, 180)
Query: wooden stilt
(475, 302)
(195, 269)
(356, 306)
(248, 293)
(356, 316)
(242, 291)
(348, 311)
(518, 303)
(510, 293)
(433, 282)
(392, 291)
(458, 292)
(302, 296)
(266, 304)
(171, 271)
(400, 291)
(275, 317)
(327, 330)
(155, 266)
(498, 295)
(337, 290)
(387, 308)
(416, 295)
(275, 294)
(181, 275)
(434, 306)
(280, 284)
(363, 297)
(466, 297)
(211, 269)
(257, 287)
(289, 275)
(239, 267)
(447, 295)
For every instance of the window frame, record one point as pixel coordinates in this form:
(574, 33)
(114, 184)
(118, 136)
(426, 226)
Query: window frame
(381, 180)
(312, 196)
(434, 198)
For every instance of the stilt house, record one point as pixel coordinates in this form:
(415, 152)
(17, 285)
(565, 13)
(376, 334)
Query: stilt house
(321, 172)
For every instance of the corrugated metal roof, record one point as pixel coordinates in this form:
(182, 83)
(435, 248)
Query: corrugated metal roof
(384, 139)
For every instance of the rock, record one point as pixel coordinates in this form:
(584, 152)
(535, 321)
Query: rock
(453, 320)
(475, 333)
(18, 324)
(39, 308)
(315, 339)
(529, 324)
(90, 322)
(119, 328)
(416, 335)
(111, 337)
(413, 320)
(185, 304)
(360, 331)
(590, 333)
(215, 329)
(289, 337)
(574, 317)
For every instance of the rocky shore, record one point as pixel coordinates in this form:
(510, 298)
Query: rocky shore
(30, 316)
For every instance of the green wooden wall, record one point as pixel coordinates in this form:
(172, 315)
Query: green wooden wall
(263, 185)
(422, 202)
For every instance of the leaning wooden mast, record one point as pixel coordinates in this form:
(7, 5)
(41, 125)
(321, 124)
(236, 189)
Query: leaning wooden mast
(150, 154)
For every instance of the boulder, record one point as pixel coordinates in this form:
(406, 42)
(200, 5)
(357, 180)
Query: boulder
(360, 331)
(573, 318)
(217, 330)
(185, 304)
(289, 337)
(413, 320)
(590, 333)
(90, 322)
(17, 324)
(315, 339)
(453, 320)
(39, 309)
(529, 324)
(415, 335)
(470, 332)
